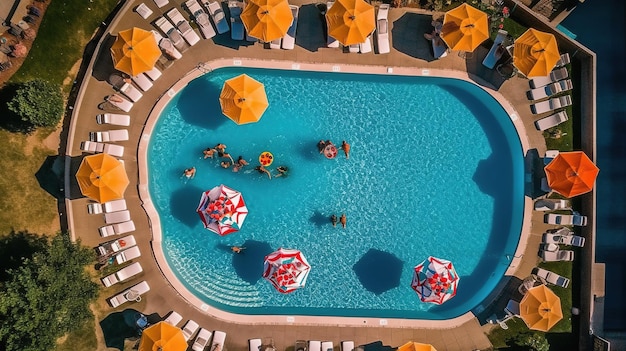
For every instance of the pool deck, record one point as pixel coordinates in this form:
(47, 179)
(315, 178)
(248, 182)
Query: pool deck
(410, 54)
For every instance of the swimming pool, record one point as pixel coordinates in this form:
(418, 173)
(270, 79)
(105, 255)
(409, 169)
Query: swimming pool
(436, 168)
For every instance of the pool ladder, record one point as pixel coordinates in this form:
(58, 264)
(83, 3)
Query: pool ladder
(203, 67)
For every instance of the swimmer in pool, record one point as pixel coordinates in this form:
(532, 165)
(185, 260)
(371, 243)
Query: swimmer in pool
(346, 149)
(241, 161)
(321, 145)
(343, 220)
(282, 171)
(333, 220)
(262, 169)
(209, 152)
(190, 172)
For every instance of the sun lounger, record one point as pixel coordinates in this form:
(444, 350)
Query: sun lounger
(551, 121)
(109, 135)
(366, 46)
(114, 119)
(201, 18)
(117, 228)
(237, 31)
(96, 147)
(161, 3)
(315, 345)
(556, 256)
(354, 48)
(114, 246)
(143, 10)
(512, 308)
(153, 74)
(275, 44)
(122, 275)
(289, 40)
(349, 344)
(172, 33)
(202, 339)
(330, 41)
(382, 29)
(173, 318)
(132, 294)
(218, 16)
(183, 26)
(550, 90)
(217, 344)
(549, 156)
(167, 47)
(564, 60)
(551, 105)
(496, 51)
(117, 217)
(439, 47)
(551, 277)
(189, 329)
(549, 238)
(551, 204)
(562, 219)
(255, 345)
(554, 76)
(120, 102)
(127, 255)
(572, 240)
(327, 346)
(109, 206)
(142, 81)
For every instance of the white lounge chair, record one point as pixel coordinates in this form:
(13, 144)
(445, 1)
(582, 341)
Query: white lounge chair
(354, 48)
(512, 308)
(555, 256)
(167, 47)
(109, 135)
(96, 147)
(237, 30)
(142, 81)
(366, 46)
(275, 44)
(554, 76)
(218, 16)
(496, 51)
(143, 10)
(120, 102)
(202, 339)
(563, 219)
(127, 255)
(550, 90)
(549, 156)
(109, 206)
(551, 121)
(117, 228)
(173, 318)
(153, 74)
(551, 204)
(122, 275)
(551, 105)
(183, 26)
(382, 29)
(161, 3)
(116, 245)
(551, 277)
(561, 231)
(132, 294)
(349, 344)
(564, 60)
(289, 40)
(201, 18)
(330, 41)
(217, 344)
(114, 119)
(117, 217)
(171, 32)
(572, 240)
(327, 346)
(189, 329)
(315, 345)
(255, 345)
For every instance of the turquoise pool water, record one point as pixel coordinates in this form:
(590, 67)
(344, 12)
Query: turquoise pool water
(436, 168)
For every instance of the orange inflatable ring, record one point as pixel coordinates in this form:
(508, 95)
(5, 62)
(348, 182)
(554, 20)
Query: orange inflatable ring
(330, 151)
(266, 158)
(122, 243)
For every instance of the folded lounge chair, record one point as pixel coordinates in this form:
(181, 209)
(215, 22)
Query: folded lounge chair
(218, 16)
(96, 147)
(172, 33)
(189, 329)
(132, 294)
(117, 217)
(117, 228)
(255, 345)
(551, 277)
(330, 41)
(555, 256)
(496, 51)
(109, 135)
(127, 255)
(554, 76)
(382, 29)
(327, 346)
(551, 204)
(289, 40)
(562, 219)
(217, 344)
(202, 339)
(183, 26)
(113, 118)
(120, 102)
(551, 105)
(173, 318)
(143, 10)
(109, 206)
(348, 345)
(201, 18)
(237, 30)
(550, 90)
(122, 275)
(551, 121)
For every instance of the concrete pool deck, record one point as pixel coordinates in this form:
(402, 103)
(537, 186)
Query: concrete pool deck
(410, 54)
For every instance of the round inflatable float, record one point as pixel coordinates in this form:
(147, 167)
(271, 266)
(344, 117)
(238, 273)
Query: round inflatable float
(330, 151)
(266, 158)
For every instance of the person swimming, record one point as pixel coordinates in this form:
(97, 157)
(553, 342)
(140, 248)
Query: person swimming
(237, 249)
(346, 149)
(225, 164)
(282, 171)
(190, 172)
(221, 149)
(241, 161)
(343, 220)
(333, 220)
(262, 169)
(321, 145)
(209, 152)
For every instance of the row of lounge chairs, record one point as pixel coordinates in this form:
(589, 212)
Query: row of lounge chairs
(204, 335)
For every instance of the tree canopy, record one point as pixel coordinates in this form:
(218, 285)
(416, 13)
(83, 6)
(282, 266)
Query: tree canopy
(37, 103)
(47, 294)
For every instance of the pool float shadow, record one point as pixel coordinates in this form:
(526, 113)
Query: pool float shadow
(378, 271)
(183, 204)
(249, 263)
(199, 105)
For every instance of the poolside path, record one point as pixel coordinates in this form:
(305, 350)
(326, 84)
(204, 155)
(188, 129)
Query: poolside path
(409, 51)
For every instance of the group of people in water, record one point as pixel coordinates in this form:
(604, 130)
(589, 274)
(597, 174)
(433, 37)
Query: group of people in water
(324, 147)
(343, 220)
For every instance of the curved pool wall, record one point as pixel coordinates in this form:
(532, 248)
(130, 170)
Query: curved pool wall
(452, 310)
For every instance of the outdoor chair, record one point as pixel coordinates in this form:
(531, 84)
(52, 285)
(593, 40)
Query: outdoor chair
(218, 16)
(201, 18)
(173, 318)
(382, 29)
(202, 339)
(255, 345)
(189, 329)
(219, 338)
(551, 277)
(315, 345)
(127, 255)
(117, 228)
(551, 105)
(132, 294)
(555, 256)
(143, 10)
(346, 345)
(550, 90)
(327, 346)
(183, 26)
(551, 204)
(109, 135)
(113, 118)
(237, 31)
(554, 76)
(366, 46)
(122, 275)
(117, 217)
(496, 51)
(551, 121)
(172, 33)
(289, 40)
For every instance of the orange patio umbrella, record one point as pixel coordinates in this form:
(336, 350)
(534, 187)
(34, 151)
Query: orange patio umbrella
(267, 20)
(535, 53)
(243, 99)
(162, 337)
(540, 308)
(350, 21)
(464, 28)
(102, 177)
(571, 173)
(135, 51)
(416, 346)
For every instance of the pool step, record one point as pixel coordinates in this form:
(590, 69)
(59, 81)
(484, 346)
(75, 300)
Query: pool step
(227, 290)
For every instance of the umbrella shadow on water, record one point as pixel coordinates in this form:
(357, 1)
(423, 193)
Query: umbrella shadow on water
(200, 106)
(378, 271)
(50, 176)
(249, 263)
(183, 204)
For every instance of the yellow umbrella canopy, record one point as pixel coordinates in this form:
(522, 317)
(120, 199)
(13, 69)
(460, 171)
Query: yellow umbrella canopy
(162, 337)
(416, 346)
(464, 28)
(102, 178)
(540, 308)
(535, 53)
(135, 51)
(350, 21)
(243, 99)
(267, 20)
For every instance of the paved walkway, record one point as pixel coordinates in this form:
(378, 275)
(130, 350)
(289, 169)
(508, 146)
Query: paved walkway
(409, 52)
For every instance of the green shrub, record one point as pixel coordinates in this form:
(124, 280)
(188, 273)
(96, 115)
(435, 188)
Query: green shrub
(37, 103)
